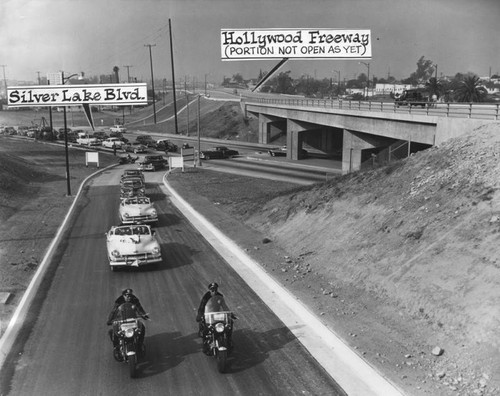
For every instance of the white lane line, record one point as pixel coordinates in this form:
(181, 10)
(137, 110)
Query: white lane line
(348, 369)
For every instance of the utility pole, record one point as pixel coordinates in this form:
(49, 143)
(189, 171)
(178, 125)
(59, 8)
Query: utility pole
(4, 79)
(152, 79)
(173, 75)
(38, 77)
(128, 72)
(187, 104)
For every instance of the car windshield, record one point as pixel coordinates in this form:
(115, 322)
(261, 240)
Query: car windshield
(137, 201)
(132, 183)
(132, 230)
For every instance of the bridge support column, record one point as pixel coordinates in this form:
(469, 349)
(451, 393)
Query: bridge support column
(266, 123)
(294, 138)
(353, 145)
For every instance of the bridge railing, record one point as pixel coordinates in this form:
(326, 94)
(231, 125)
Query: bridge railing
(442, 109)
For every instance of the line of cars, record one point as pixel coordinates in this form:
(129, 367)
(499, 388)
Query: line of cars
(133, 243)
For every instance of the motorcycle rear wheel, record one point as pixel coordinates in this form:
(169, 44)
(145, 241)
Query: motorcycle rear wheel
(221, 361)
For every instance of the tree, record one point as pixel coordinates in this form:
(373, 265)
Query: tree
(434, 87)
(238, 78)
(115, 70)
(425, 70)
(470, 90)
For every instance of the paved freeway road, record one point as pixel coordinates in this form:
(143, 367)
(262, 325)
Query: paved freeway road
(68, 351)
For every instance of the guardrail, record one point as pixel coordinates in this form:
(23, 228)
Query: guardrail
(459, 110)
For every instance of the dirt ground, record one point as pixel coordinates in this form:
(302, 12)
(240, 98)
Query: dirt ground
(402, 262)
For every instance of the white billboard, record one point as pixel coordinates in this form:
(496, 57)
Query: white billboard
(72, 95)
(246, 44)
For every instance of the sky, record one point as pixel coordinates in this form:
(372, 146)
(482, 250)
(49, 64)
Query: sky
(46, 36)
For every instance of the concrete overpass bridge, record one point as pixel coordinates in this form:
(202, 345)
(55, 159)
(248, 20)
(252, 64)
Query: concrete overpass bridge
(358, 131)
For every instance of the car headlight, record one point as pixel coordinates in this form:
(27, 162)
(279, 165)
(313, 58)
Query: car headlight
(115, 253)
(219, 327)
(126, 215)
(129, 333)
(153, 213)
(156, 250)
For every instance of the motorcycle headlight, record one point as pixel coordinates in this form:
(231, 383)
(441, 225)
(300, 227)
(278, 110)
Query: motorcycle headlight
(219, 327)
(129, 333)
(115, 253)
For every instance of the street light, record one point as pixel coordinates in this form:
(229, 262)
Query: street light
(68, 182)
(368, 79)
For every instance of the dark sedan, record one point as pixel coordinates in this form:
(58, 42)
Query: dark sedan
(218, 152)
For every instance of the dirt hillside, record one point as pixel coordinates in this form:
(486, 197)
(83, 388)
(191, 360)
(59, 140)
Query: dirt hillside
(422, 234)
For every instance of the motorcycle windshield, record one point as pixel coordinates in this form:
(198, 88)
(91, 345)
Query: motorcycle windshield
(127, 311)
(217, 310)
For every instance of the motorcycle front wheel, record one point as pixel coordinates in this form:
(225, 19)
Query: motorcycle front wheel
(221, 361)
(132, 363)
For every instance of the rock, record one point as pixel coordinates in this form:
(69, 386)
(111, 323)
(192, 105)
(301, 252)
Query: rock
(437, 351)
(266, 240)
(441, 374)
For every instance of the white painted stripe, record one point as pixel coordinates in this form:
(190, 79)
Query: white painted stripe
(348, 369)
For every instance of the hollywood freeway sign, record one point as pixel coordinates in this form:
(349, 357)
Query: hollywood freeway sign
(246, 44)
(72, 95)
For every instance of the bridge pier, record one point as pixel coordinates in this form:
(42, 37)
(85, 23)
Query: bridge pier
(270, 127)
(295, 138)
(352, 151)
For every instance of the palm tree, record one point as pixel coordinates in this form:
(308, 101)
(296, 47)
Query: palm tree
(470, 90)
(434, 87)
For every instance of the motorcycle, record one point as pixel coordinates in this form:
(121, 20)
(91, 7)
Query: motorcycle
(130, 332)
(127, 160)
(217, 336)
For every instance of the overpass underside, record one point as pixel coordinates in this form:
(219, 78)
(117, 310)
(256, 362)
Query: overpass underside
(351, 136)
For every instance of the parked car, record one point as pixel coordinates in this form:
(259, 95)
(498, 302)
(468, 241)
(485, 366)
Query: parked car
(86, 140)
(132, 246)
(118, 128)
(166, 145)
(146, 140)
(152, 163)
(101, 135)
(135, 148)
(218, 152)
(112, 142)
(9, 131)
(137, 210)
(281, 152)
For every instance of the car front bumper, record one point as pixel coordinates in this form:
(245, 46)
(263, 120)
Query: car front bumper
(134, 260)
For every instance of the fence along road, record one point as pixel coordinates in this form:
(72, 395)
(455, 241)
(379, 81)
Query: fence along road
(458, 110)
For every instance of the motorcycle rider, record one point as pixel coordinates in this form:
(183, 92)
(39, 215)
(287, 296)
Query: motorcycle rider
(213, 291)
(127, 296)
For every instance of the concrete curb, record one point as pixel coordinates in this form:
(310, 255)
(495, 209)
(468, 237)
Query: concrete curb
(347, 368)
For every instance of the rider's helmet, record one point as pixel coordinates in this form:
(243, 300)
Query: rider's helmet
(213, 286)
(127, 292)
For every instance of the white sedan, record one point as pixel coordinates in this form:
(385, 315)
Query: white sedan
(112, 142)
(132, 246)
(137, 210)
